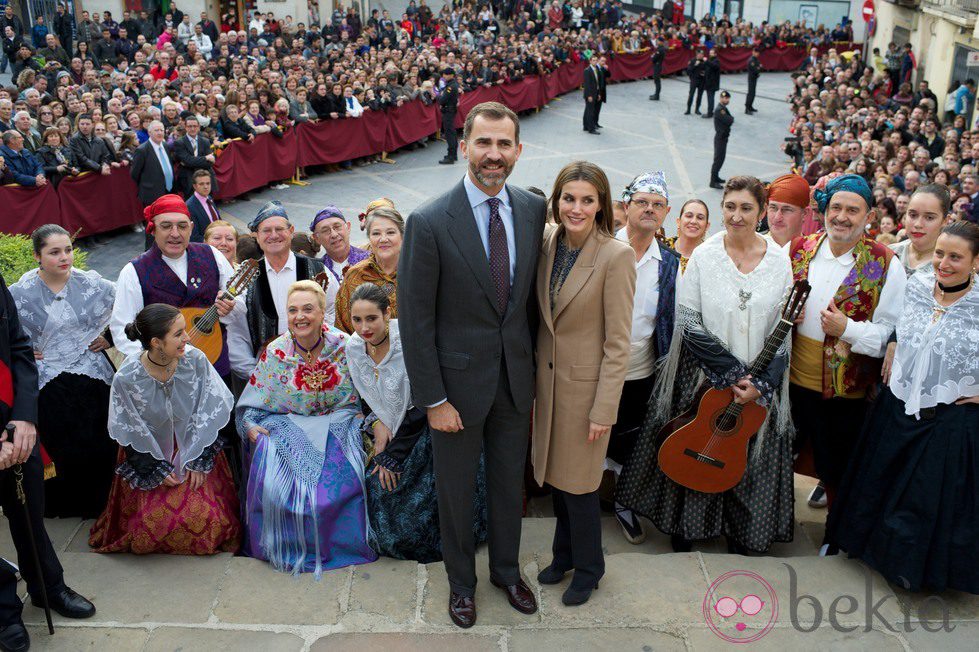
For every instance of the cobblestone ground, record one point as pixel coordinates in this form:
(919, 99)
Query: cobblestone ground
(650, 598)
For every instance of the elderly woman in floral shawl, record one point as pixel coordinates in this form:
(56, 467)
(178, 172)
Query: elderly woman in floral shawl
(305, 507)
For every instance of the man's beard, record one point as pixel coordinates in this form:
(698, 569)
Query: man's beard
(498, 179)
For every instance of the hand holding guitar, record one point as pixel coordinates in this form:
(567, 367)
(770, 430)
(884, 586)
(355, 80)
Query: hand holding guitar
(224, 304)
(745, 391)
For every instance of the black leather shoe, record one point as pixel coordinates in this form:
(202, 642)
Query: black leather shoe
(462, 610)
(716, 185)
(697, 111)
(707, 116)
(573, 597)
(599, 127)
(687, 112)
(654, 98)
(447, 161)
(551, 575)
(520, 596)
(14, 638)
(67, 604)
(721, 181)
(594, 131)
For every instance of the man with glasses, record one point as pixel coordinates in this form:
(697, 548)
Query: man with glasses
(647, 203)
(331, 230)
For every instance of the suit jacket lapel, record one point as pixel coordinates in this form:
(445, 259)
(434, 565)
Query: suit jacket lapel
(462, 229)
(578, 276)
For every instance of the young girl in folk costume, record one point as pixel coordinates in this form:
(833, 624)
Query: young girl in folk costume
(299, 416)
(173, 491)
(400, 486)
(65, 312)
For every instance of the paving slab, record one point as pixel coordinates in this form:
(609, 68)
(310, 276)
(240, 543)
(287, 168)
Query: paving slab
(253, 592)
(142, 588)
(932, 607)
(584, 640)
(79, 542)
(637, 590)
(174, 639)
(781, 639)
(961, 636)
(824, 579)
(404, 642)
(97, 639)
(384, 592)
(60, 530)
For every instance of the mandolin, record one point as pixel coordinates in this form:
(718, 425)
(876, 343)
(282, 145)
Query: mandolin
(201, 322)
(706, 448)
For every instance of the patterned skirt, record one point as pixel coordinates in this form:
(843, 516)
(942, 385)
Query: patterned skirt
(171, 520)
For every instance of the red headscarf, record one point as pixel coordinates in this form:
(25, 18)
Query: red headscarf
(790, 189)
(165, 204)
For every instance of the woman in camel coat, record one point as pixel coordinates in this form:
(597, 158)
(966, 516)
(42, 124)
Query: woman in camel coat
(585, 285)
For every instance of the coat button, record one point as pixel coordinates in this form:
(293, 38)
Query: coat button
(550, 365)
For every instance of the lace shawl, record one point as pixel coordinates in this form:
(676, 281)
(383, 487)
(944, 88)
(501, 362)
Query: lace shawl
(937, 357)
(384, 386)
(61, 326)
(172, 421)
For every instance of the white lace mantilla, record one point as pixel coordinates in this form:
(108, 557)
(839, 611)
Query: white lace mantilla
(937, 357)
(385, 385)
(61, 326)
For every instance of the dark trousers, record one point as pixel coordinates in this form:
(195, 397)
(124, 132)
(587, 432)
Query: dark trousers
(598, 111)
(832, 426)
(720, 153)
(578, 537)
(710, 102)
(749, 101)
(449, 132)
(502, 438)
(53, 578)
(699, 90)
(628, 423)
(590, 118)
(656, 83)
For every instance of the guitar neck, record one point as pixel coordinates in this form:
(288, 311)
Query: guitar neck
(210, 316)
(772, 343)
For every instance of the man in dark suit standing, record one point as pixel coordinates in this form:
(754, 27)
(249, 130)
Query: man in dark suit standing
(193, 152)
(696, 71)
(152, 169)
(712, 80)
(449, 104)
(465, 301)
(659, 55)
(722, 131)
(202, 208)
(20, 456)
(594, 94)
(754, 71)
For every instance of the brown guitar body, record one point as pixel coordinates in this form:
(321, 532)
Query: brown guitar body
(693, 455)
(209, 343)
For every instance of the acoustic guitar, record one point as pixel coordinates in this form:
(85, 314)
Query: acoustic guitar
(706, 448)
(202, 323)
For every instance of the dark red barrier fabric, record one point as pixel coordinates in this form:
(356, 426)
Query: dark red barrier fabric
(25, 209)
(335, 141)
(409, 123)
(95, 203)
(244, 166)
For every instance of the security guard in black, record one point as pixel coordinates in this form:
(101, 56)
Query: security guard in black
(722, 130)
(449, 103)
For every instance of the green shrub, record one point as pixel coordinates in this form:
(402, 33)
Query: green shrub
(17, 256)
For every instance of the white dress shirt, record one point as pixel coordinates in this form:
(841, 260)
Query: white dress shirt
(481, 211)
(644, 308)
(129, 297)
(204, 44)
(354, 108)
(826, 274)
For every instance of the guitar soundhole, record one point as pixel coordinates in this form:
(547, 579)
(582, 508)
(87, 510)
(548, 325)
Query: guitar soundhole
(725, 422)
(202, 327)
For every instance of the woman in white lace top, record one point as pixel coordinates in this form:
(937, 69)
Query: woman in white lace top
(65, 312)
(908, 504)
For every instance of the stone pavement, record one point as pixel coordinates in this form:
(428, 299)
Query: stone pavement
(639, 135)
(649, 599)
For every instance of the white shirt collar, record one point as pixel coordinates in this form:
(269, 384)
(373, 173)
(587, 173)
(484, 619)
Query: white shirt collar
(290, 264)
(826, 253)
(652, 252)
(477, 196)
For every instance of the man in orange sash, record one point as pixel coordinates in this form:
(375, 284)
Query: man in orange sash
(850, 314)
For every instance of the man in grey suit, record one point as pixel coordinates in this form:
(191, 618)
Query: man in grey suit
(467, 310)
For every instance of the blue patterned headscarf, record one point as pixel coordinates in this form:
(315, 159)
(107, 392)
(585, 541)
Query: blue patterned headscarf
(271, 209)
(647, 182)
(845, 183)
(328, 211)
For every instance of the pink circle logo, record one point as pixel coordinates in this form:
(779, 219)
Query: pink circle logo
(740, 607)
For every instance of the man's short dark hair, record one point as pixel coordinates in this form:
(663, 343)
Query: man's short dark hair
(85, 116)
(200, 174)
(491, 111)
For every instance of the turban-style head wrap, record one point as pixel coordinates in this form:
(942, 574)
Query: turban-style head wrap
(271, 209)
(165, 204)
(328, 211)
(845, 183)
(648, 182)
(790, 189)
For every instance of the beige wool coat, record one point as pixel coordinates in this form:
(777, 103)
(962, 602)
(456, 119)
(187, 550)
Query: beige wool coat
(582, 358)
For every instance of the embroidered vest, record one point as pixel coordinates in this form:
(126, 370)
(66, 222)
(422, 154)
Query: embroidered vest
(666, 304)
(846, 373)
(160, 285)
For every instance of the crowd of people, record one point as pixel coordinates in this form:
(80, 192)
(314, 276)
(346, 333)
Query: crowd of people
(306, 410)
